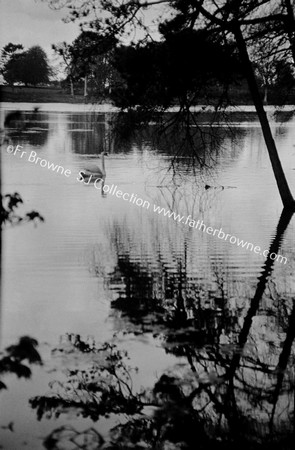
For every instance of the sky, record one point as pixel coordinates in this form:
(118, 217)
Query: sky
(32, 22)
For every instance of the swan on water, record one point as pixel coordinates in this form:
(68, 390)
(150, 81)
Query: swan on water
(95, 172)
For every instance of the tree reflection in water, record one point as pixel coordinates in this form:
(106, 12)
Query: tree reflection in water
(27, 127)
(18, 358)
(235, 390)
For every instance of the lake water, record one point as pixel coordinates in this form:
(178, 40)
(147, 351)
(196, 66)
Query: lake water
(177, 299)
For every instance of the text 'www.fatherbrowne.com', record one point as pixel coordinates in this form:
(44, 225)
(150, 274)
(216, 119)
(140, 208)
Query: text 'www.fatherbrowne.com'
(134, 199)
(219, 233)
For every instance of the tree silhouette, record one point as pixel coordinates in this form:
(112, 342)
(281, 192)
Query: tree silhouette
(13, 358)
(8, 53)
(9, 204)
(29, 67)
(64, 50)
(228, 22)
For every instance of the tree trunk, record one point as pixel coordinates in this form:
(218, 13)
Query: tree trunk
(265, 94)
(285, 193)
(85, 86)
(72, 87)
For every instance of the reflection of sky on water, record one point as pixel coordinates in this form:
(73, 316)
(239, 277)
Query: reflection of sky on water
(63, 275)
(77, 216)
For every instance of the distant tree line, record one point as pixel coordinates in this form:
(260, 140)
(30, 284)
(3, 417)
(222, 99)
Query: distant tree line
(194, 56)
(186, 66)
(177, 69)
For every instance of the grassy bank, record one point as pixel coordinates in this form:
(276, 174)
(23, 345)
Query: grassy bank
(38, 95)
(239, 95)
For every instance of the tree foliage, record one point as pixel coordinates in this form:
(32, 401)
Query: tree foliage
(89, 56)
(9, 51)
(176, 70)
(268, 27)
(30, 67)
(64, 51)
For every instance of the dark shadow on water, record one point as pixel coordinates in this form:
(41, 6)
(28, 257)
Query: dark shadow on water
(193, 141)
(27, 127)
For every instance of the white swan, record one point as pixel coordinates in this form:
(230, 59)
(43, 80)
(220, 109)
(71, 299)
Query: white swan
(94, 173)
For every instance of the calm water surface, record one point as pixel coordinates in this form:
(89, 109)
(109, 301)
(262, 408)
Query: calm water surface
(100, 265)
